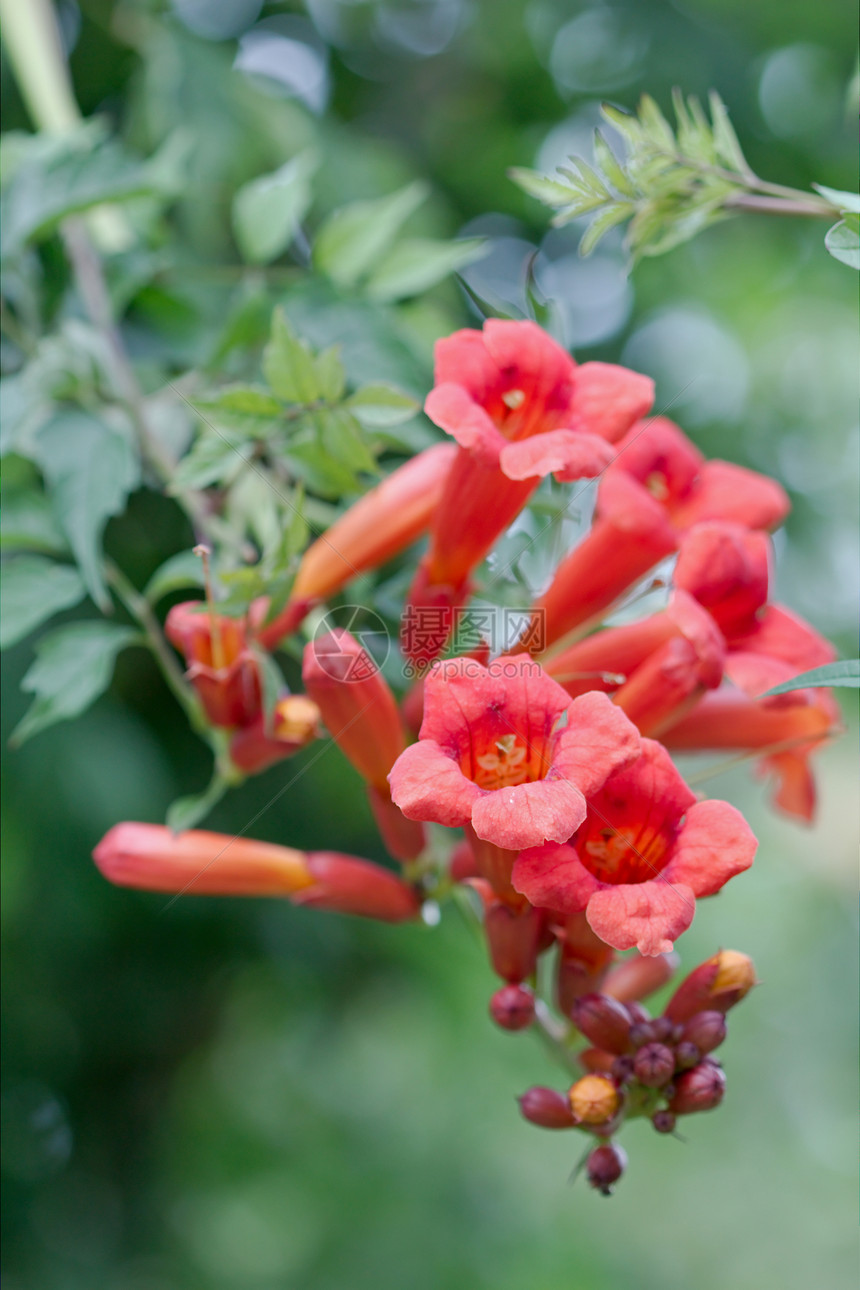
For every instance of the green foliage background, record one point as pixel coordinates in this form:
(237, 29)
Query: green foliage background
(226, 1095)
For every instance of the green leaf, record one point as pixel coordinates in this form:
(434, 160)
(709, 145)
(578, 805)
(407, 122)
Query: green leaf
(216, 457)
(843, 241)
(381, 405)
(845, 673)
(840, 198)
(331, 374)
(726, 142)
(611, 167)
(654, 124)
(353, 238)
(418, 263)
(185, 569)
(552, 192)
(607, 219)
(77, 172)
(288, 364)
(340, 435)
(33, 589)
(27, 523)
(268, 210)
(311, 463)
(188, 811)
(89, 470)
(247, 400)
(73, 666)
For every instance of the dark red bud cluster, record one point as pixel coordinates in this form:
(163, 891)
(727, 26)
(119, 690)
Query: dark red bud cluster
(513, 1007)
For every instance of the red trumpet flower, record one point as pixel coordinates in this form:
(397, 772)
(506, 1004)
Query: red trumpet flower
(520, 408)
(494, 756)
(221, 666)
(658, 486)
(294, 724)
(646, 850)
(199, 863)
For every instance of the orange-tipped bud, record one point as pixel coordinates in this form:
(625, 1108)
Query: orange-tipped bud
(637, 977)
(356, 703)
(152, 858)
(513, 1007)
(546, 1108)
(604, 1167)
(700, 1089)
(718, 983)
(513, 936)
(594, 1099)
(603, 1021)
(294, 724)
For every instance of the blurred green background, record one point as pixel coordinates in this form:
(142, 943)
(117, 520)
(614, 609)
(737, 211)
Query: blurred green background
(227, 1095)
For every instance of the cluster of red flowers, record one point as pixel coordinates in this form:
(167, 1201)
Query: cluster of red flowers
(580, 839)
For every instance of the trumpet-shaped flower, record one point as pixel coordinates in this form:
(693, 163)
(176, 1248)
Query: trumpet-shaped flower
(646, 850)
(504, 750)
(221, 666)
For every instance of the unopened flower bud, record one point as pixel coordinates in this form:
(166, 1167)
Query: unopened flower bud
(594, 1099)
(637, 1011)
(641, 1032)
(663, 1121)
(654, 1064)
(622, 1069)
(513, 936)
(687, 1055)
(706, 1030)
(718, 983)
(546, 1108)
(595, 1059)
(294, 723)
(662, 1029)
(639, 976)
(698, 1089)
(513, 1007)
(462, 864)
(604, 1167)
(603, 1021)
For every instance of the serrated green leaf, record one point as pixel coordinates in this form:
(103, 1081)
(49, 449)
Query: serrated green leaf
(843, 241)
(27, 523)
(840, 198)
(611, 167)
(331, 374)
(844, 673)
(215, 458)
(625, 123)
(184, 569)
(727, 144)
(248, 400)
(311, 463)
(418, 263)
(73, 666)
(607, 219)
(353, 238)
(552, 192)
(340, 435)
(288, 364)
(655, 126)
(187, 812)
(33, 589)
(89, 470)
(267, 211)
(381, 405)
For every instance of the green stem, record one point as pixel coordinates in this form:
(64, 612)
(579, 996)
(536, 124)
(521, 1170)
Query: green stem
(781, 206)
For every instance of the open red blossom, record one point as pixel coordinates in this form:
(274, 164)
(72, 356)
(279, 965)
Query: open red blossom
(503, 749)
(658, 486)
(646, 850)
(221, 666)
(520, 408)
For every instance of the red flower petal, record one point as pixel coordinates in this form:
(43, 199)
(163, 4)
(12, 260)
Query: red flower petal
(647, 915)
(531, 359)
(428, 785)
(528, 814)
(553, 877)
(568, 454)
(610, 398)
(724, 491)
(454, 410)
(463, 359)
(715, 843)
(597, 741)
